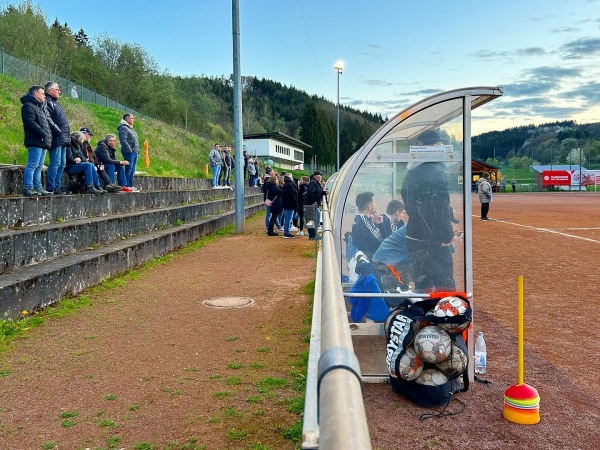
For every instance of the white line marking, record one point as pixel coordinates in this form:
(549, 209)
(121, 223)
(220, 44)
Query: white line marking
(547, 230)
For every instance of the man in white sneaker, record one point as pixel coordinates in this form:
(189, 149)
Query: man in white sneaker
(215, 160)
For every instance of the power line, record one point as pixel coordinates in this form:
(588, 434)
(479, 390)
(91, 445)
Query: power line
(310, 42)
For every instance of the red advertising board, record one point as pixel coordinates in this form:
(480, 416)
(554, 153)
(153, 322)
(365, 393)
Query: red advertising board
(556, 178)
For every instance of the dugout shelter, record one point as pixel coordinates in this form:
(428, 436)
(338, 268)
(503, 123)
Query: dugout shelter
(381, 166)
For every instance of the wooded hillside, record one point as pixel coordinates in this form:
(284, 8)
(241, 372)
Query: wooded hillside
(127, 73)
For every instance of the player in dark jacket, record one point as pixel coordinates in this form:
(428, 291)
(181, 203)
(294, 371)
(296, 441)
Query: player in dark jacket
(429, 231)
(37, 140)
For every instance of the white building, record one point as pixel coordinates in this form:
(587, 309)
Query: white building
(285, 151)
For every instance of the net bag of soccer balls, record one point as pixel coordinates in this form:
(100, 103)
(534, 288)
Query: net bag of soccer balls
(427, 357)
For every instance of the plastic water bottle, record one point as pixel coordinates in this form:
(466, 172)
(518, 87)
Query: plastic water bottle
(480, 355)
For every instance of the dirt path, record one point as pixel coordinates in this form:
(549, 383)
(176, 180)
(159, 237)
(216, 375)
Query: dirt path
(147, 362)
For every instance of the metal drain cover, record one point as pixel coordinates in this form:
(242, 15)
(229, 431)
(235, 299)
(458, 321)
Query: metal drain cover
(228, 302)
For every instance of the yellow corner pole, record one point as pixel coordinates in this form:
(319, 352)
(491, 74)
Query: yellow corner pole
(521, 334)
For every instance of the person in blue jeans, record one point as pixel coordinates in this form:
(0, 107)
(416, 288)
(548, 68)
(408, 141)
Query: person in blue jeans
(38, 138)
(215, 159)
(77, 163)
(130, 147)
(61, 138)
(105, 152)
(289, 202)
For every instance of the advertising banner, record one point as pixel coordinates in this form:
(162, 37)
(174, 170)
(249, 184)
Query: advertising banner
(556, 178)
(590, 177)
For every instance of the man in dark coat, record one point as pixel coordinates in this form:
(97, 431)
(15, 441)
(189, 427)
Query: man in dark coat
(105, 152)
(314, 198)
(61, 138)
(37, 140)
(289, 203)
(429, 231)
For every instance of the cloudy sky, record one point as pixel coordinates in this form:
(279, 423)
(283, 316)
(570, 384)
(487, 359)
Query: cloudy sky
(544, 53)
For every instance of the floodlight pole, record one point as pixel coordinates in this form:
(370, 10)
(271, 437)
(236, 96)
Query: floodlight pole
(339, 66)
(238, 135)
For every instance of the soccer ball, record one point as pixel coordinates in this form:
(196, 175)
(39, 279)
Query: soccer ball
(455, 364)
(431, 377)
(432, 344)
(410, 365)
(451, 307)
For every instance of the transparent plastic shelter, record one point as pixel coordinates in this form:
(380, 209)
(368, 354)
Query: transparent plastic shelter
(383, 167)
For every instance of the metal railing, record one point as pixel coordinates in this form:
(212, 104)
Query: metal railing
(334, 385)
(32, 74)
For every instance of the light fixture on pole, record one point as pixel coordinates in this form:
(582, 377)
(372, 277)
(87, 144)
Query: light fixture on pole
(339, 66)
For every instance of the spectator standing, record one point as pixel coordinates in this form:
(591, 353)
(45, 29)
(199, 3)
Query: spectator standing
(215, 160)
(226, 167)
(38, 139)
(273, 194)
(302, 188)
(485, 195)
(503, 184)
(74, 94)
(105, 182)
(130, 147)
(245, 165)
(105, 152)
(513, 185)
(251, 168)
(222, 172)
(314, 199)
(61, 138)
(289, 203)
(77, 163)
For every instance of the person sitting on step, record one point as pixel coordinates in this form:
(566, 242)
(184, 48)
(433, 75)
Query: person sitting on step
(77, 163)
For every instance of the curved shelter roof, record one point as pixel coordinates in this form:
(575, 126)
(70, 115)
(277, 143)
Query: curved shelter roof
(380, 165)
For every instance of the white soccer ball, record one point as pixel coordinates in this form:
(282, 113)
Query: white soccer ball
(451, 307)
(431, 377)
(456, 363)
(410, 365)
(432, 344)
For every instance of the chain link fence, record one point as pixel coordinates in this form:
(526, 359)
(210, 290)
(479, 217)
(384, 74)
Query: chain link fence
(25, 71)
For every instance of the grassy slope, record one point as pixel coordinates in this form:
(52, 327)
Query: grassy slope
(173, 151)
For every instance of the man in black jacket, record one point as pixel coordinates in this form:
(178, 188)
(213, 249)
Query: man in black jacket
(429, 231)
(289, 203)
(314, 198)
(105, 153)
(61, 138)
(37, 140)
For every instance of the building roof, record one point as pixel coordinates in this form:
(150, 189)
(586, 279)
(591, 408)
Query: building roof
(566, 167)
(277, 136)
(480, 166)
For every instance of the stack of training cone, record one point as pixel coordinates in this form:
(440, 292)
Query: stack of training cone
(522, 404)
(521, 401)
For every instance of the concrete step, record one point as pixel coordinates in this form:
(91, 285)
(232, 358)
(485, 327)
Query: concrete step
(36, 286)
(11, 182)
(27, 211)
(35, 244)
